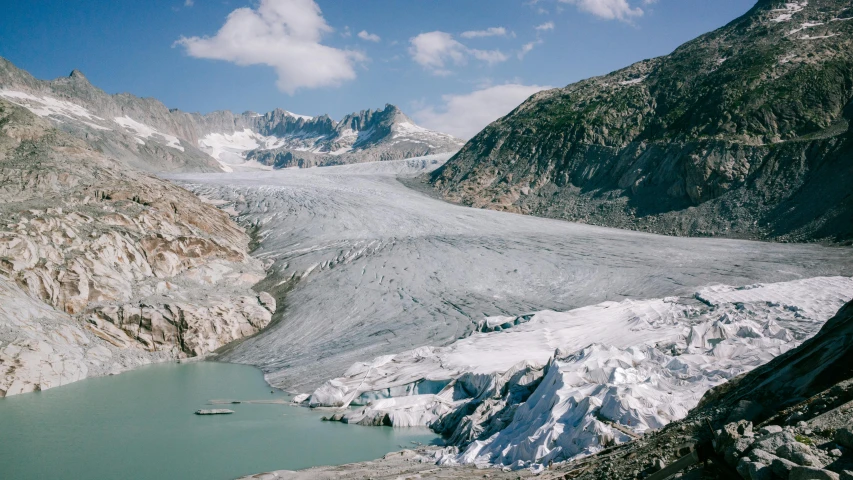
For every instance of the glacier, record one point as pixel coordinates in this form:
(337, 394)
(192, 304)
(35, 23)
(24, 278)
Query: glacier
(523, 340)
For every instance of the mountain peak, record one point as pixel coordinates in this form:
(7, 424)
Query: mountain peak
(78, 75)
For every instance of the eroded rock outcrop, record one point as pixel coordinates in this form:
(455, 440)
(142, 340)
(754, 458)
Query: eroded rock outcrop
(130, 269)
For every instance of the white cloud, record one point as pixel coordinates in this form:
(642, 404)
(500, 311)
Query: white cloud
(489, 32)
(284, 34)
(189, 3)
(370, 37)
(435, 51)
(465, 115)
(545, 27)
(527, 47)
(610, 9)
(489, 56)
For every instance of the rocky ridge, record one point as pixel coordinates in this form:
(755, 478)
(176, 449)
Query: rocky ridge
(744, 132)
(145, 134)
(103, 268)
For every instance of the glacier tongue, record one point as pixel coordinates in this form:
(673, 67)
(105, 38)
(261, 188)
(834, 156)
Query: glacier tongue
(555, 386)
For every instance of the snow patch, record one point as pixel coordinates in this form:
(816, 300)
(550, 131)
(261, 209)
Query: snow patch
(805, 26)
(788, 11)
(818, 37)
(47, 106)
(142, 131)
(634, 81)
(232, 148)
(303, 117)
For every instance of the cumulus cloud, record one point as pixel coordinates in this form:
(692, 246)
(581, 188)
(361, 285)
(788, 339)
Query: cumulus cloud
(189, 3)
(610, 9)
(489, 56)
(489, 32)
(545, 27)
(285, 35)
(370, 37)
(465, 115)
(435, 51)
(527, 47)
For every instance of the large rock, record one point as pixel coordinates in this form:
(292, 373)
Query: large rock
(844, 437)
(812, 473)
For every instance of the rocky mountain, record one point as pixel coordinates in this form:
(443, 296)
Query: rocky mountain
(371, 135)
(742, 132)
(103, 268)
(145, 134)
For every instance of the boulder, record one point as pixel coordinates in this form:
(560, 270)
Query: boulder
(782, 468)
(812, 473)
(844, 437)
(799, 454)
(769, 443)
(759, 455)
(754, 470)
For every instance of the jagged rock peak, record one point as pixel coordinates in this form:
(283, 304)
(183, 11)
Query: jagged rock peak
(78, 75)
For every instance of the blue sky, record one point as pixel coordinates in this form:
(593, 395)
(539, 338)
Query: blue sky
(307, 56)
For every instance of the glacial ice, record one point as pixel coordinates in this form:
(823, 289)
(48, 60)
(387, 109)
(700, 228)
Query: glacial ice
(370, 267)
(610, 368)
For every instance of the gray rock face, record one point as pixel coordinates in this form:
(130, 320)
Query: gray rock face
(103, 269)
(143, 133)
(744, 132)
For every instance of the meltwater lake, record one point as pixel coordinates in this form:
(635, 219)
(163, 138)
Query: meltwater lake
(141, 425)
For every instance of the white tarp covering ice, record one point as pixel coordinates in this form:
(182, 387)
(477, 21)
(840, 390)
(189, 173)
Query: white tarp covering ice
(633, 365)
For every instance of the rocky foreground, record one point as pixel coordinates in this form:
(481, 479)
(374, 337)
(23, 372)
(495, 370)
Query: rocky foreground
(103, 268)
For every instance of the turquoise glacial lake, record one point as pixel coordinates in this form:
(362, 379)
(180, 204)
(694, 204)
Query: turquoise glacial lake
(141, 425)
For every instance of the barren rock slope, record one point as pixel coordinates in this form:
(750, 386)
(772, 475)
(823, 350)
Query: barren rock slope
(102, 268)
